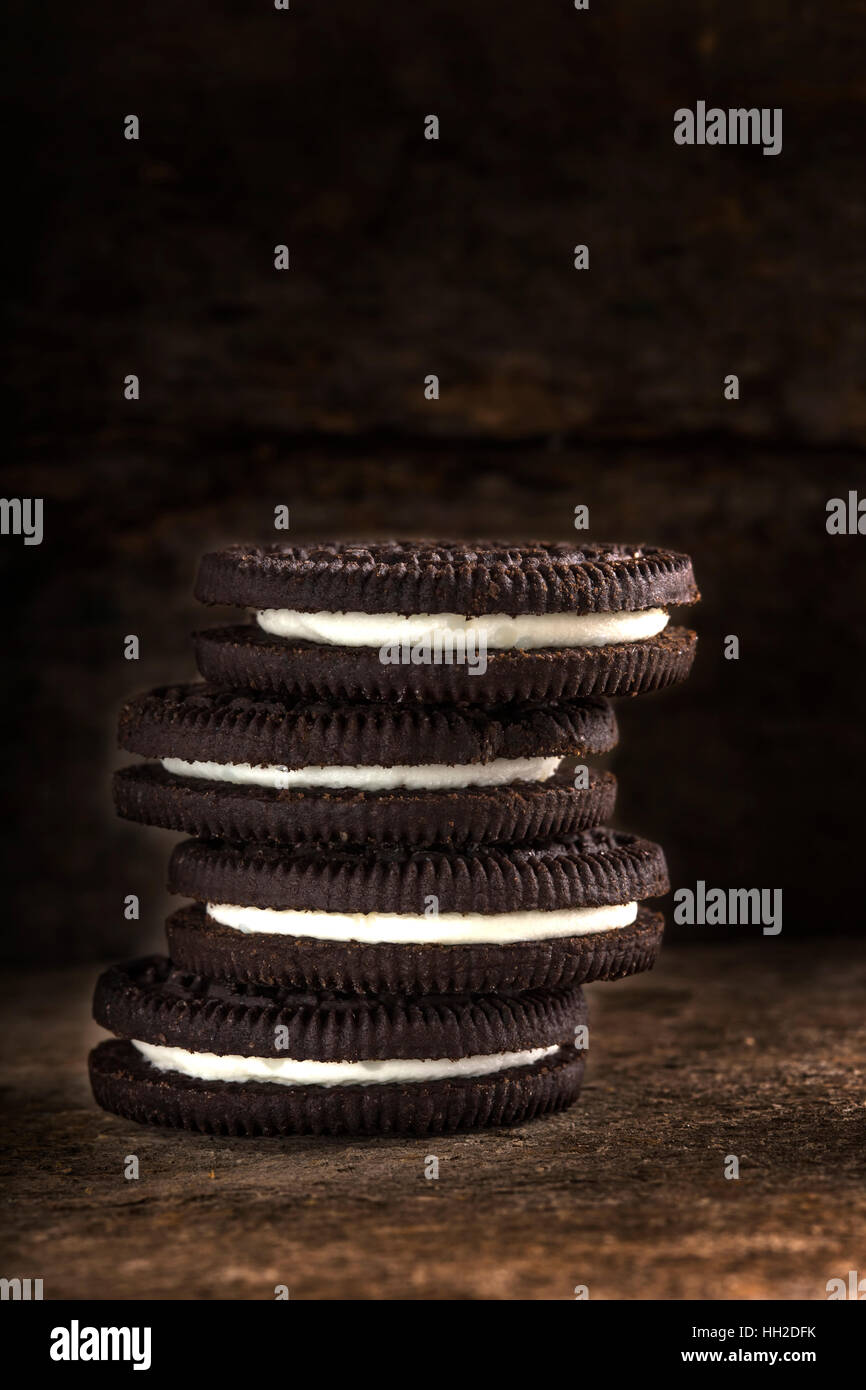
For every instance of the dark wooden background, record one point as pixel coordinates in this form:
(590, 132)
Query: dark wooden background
(557, 387)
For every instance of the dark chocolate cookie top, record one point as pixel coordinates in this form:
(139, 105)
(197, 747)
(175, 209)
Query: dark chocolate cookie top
(468, 577)
(155, 1002)
(591, 868)
(206, 723)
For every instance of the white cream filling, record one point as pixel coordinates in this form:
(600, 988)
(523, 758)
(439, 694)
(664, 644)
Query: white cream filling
(288, 1071)
(423, 776)
(446, 928)
(491, 630)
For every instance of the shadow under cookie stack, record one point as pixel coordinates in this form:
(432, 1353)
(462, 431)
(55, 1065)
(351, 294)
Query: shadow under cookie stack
(402, 872)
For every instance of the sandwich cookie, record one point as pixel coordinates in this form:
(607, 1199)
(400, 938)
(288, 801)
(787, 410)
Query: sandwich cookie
(478, 623)
(419, 921)
(241, 766)
(251, 1060)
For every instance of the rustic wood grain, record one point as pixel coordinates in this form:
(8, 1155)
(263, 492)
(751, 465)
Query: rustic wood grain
(756, 1049)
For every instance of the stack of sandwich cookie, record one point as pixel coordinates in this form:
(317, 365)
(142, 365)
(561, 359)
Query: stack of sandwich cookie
(254, 1060)
(401, 873)
(245, 766)
(534, 622)
(420, 921)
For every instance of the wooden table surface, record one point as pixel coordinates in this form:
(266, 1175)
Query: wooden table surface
(751, 1048)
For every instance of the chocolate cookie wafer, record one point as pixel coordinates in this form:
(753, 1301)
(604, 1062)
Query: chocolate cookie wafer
(476, 622)
(242, 766)
(419, 921)
(198, 1054)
